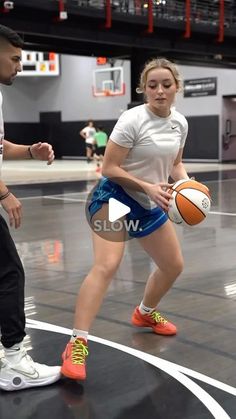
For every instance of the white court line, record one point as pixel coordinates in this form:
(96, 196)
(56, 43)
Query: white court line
(71, 193)
(230, 214)
(65, 199)
(174, 370)
(62, 197)
(57, 196)
(219, 180)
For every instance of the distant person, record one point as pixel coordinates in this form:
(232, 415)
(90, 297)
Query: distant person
(100, 139)
(88, 133)
(17, 369)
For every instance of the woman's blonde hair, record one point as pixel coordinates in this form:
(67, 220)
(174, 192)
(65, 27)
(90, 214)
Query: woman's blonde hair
(158, 63)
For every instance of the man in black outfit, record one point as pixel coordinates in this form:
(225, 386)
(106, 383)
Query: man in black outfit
(17, 369)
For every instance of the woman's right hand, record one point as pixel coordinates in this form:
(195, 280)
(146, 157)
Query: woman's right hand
(159, 194)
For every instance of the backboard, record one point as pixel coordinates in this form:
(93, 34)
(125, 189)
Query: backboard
(108, 81)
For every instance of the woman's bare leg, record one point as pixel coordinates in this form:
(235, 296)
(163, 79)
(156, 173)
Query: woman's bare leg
(164, 248)
(108, 252)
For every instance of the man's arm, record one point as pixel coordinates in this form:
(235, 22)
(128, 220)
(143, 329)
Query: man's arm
(15, 151)
(11, 205)
(3, 188)
(38, 151)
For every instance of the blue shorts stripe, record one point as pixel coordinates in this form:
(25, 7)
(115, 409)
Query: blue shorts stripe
(148, 229)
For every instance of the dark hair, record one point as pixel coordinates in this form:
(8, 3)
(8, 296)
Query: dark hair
(11, 36)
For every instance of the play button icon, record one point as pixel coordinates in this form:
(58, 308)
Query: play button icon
(114, 213)
(116, 210)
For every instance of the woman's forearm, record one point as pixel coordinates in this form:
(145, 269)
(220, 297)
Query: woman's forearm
(179, 172)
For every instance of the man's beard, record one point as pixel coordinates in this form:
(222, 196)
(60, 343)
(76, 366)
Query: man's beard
(7, 82)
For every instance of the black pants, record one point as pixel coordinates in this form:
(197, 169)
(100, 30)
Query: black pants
(12, 285)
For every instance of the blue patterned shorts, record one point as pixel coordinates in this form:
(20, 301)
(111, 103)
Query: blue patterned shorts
(149, 220)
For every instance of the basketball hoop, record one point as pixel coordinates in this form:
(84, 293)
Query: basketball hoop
(108, 81)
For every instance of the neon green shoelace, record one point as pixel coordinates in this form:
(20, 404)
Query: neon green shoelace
(79, 352)
(156, 316)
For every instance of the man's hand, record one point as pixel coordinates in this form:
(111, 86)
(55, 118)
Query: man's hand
(13, 207)
(42, 151)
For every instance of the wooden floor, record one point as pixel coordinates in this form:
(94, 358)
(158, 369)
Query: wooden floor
(55, 247)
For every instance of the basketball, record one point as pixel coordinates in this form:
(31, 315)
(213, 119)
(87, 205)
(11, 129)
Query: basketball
(191, 202)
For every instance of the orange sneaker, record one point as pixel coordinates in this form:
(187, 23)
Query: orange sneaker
(154, 320)
(74, 365)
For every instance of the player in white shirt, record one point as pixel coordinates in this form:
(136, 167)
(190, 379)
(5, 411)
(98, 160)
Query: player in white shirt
(88, 133)
(144, 149)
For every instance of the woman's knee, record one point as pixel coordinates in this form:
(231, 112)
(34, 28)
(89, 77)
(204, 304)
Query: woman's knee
(174, 268)
(179, 266)
(107, 268)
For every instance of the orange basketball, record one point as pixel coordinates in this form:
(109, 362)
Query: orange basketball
(191, 202)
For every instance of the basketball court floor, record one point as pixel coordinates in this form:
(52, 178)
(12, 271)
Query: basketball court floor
(132, 373)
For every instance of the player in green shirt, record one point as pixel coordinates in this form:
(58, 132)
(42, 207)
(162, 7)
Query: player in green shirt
(100, 139)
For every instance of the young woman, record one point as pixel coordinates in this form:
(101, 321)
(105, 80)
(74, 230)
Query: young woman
(144, 149)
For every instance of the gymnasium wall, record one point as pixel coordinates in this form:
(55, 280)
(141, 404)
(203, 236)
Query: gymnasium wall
(64, 137)
(71, 94)
(204, 114)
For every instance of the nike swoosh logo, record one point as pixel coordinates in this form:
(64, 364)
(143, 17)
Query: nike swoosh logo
(66, 353)
(35, 374)
(176, 126)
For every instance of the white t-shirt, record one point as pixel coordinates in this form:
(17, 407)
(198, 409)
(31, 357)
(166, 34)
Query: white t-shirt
(1, 134)
(89, 132)
(154, 143)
